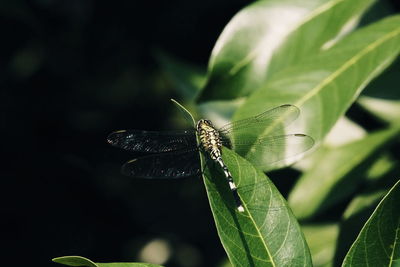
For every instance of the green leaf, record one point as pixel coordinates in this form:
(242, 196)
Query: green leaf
(186, 78)
(345, 131)
(268, 36)
(382, 96)
(353, 219)
(363, 204)
(75, 261)
(186, 114)
(225, 263)
(127, 264)
(266, 233)
(325, 86)
(81, 261)
(321, 238)
(383, 166)
(378, 243)
(336, 174)
(385, 109)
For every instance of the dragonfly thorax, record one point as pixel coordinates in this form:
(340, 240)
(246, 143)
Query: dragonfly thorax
(209, 138)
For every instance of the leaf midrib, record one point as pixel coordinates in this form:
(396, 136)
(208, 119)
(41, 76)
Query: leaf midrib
(253, 53)
(314, 91)
(253, 221)
(346, 65)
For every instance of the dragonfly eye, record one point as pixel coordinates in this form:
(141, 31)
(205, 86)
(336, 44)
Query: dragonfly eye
(208, 122)
(199, 123)
(203, 122)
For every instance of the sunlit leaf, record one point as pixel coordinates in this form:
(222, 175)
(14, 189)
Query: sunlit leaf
(336, 174)
(325, 86)
(269, 36)
(382, 96)
(343, 132)
(386, 109)
(363, 201)
(267, 233)
(384, 165)
(75, 261)
(321, 238)
(378, 243)
(81, 261)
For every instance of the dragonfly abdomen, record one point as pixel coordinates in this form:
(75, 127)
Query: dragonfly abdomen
(232, 185)
(211, 142)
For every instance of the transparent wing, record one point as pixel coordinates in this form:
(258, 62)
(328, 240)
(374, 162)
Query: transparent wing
(276, 118)
(177, 164)
(272, 149)
(153, 142)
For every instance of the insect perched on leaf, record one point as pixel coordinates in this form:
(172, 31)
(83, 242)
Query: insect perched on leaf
(174, 154)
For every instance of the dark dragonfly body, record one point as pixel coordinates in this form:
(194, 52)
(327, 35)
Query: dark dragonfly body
(174, 154)
(211, 142)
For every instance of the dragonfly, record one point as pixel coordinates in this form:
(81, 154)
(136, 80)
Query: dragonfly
(262, 139)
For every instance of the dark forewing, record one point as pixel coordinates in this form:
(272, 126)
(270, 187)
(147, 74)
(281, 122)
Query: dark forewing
(153, 142)
(177, 164)
(277, 118)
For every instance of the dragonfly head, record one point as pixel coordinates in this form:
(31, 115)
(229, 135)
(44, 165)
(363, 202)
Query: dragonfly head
(204, 123)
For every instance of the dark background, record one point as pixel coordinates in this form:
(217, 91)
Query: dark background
(72, 72)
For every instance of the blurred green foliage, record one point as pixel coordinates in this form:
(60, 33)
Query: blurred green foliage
(74, 71)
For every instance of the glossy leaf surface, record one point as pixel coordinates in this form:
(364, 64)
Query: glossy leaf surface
(336, 174)
(378, 243)
(325, 86)
(269, 36)
(382, 96)
(363, 204)
(81, 261)
(267, 233)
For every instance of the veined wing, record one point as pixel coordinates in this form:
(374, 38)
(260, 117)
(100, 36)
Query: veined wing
(276, 118)
(153, 142)
(176, 164)
(272, 149)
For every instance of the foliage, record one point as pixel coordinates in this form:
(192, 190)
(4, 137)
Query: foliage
(81, 261)
(310, 54)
